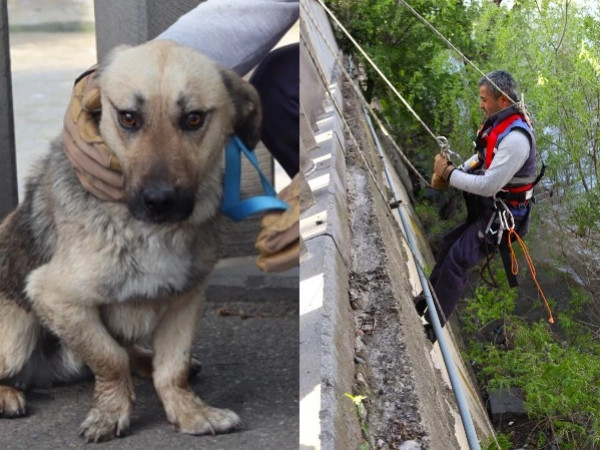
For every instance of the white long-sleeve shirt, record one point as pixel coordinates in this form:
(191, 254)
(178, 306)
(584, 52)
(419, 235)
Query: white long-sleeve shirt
(510, 156)
(235, 33)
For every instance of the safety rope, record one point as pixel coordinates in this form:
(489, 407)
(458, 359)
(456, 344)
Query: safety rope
(363, 100)
(438, 139)
(515, 267)
(507, 223)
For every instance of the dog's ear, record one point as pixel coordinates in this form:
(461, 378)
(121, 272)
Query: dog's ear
(247, 122)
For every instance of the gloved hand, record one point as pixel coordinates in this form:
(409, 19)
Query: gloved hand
(438, 184)
(98, 169)
(279, 239)
(442, 170)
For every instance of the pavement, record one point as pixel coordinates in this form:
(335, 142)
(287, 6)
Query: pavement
(248, 340)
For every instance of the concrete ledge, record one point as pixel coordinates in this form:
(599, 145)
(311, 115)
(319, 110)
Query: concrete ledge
(328, 419)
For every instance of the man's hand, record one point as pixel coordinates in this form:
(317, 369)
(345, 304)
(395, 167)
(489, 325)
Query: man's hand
(279, 239)
(98, 169)
(442, 170)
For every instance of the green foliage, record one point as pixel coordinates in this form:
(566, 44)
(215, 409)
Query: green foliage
(429, 216)
(551, 47)
(415, 63)
(489, 304)
(585, 214)
(503, 441)
(576, 334)
(560, 379)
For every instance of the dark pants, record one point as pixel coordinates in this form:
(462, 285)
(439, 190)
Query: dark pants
(277, 80)
(461, 250)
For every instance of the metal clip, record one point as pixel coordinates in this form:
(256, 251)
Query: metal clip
(445, 149)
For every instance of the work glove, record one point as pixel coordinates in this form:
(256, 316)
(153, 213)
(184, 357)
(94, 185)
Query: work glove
(98, 169)
(442, 169)
(279, 239)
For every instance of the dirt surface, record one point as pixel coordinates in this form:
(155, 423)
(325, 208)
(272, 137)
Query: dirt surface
(383, 373)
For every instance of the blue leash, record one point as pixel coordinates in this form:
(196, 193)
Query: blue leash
(232, 206)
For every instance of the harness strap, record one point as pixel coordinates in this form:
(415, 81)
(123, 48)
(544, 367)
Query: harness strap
(231, 205)
(493, 137)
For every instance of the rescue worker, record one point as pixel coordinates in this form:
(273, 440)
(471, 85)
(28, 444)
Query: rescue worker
(503, 167)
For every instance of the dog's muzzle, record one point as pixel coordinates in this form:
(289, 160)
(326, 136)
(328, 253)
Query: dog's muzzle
(161, 202)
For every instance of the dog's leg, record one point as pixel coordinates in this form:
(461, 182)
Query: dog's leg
(173, 341)
(19, 331)
(141, 359)
(77, 323)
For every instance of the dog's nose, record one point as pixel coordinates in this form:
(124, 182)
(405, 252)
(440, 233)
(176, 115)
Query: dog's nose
(159, 199)
(161, 202)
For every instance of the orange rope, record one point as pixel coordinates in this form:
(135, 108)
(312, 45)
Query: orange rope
(515, 267)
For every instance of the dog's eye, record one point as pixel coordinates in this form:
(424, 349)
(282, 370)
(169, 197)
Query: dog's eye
(193, 120)
(129, 119)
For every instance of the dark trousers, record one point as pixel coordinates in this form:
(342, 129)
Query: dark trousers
(277, 80)
(461, 250)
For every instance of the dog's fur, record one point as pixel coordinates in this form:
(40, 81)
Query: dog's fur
(82, 281)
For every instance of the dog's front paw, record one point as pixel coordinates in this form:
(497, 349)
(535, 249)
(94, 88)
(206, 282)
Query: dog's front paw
(12, 402)
(198, 418)
(208, 420)
(102, 426)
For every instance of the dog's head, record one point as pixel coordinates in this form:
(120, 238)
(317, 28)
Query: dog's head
(167, 112)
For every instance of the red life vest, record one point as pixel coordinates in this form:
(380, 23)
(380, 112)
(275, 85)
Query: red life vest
(488, 137)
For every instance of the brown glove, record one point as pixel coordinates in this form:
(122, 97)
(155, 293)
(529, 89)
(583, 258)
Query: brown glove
(438, 184)
(442, 169)
(98, 169)
(279, 239)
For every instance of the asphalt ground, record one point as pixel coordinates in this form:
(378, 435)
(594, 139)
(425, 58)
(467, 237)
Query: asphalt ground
(248, 347)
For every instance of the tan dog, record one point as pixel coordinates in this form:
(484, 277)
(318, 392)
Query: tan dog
(82, 281)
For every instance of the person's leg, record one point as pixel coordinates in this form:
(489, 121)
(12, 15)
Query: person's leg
(451, 275)
(448, 241)
(277, 81)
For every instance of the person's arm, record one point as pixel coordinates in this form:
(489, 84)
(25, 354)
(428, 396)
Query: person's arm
(235, 33)
(510, 156)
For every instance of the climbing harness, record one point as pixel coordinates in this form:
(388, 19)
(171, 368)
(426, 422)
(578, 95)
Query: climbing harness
(231, 205)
